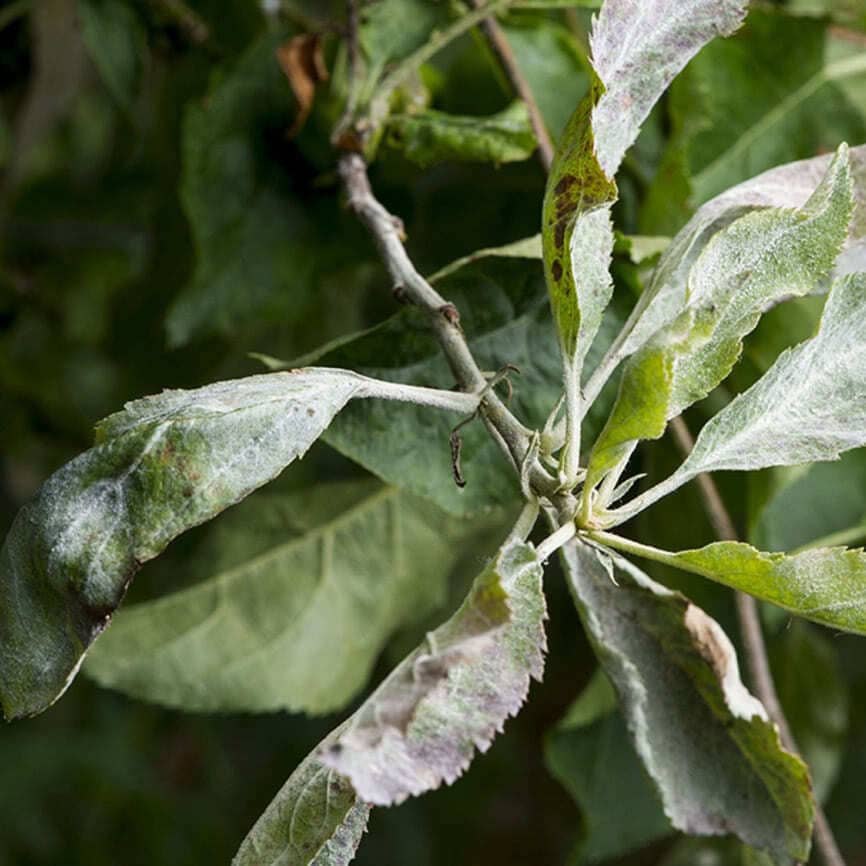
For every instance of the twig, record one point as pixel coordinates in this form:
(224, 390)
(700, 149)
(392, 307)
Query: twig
(386, 230)
(502, 49)
(757, 659)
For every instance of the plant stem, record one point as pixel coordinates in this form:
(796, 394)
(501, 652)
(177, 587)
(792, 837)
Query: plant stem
(502, 49)
(386, 230)
(754, 645)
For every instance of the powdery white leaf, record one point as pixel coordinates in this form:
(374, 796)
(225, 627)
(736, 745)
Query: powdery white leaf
(786, 186)
(422, 726)
(705, 741)
(638, 47)
(809, 406)
(305, 590)
(161, 466)
(759, 259)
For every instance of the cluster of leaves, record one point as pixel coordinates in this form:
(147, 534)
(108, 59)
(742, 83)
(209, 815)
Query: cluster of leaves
(299, 590)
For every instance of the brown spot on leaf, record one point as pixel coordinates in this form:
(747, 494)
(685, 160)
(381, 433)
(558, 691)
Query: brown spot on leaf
(559, 235)
(556, 270)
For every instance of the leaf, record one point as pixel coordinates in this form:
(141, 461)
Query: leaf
(826, 585)
(757, 260)
(526, 248)
(262, 255)
(706, 742)
(748, 103)
(431, 136)
(634, 61)
(553, 63)
(591, 754)
(638, 47)
(824, 503)
(306, 589)
(807, 407)
(315, 820)
(786, 186)
(117, 43)
(161, 466)
(303, 64)
(422, 726)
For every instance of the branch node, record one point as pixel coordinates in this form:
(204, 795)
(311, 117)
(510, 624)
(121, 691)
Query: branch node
(451, 314)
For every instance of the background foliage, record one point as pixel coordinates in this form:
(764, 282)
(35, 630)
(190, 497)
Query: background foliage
(159, 224)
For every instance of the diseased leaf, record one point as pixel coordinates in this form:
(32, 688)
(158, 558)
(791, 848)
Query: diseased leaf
(809, 405)
(434, 136)
(825, 584)
(161, 466)
(591, 754)
(759, 259)
(421, 727)
(786, 186)
(306, 590)
(316, 819)
(706, 742)
(637, 49)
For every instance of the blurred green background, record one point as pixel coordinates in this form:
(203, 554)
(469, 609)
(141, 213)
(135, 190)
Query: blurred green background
(159, 224)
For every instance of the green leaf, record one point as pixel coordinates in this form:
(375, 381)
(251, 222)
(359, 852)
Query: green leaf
(706, 742)
(819, 505)
(526, 248)
(434, 136)
(421, 727)
(117, 43)
(265, 246)
(306, 590)
(826, 584)
(759, 259)
(161, 466)
(591, 754)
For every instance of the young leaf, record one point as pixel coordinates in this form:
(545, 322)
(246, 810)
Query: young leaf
(706, 742)
(591, 754)
(807, 407)
(787, 186)
(162, 465)
(757, 260)
(294, 617)
(434, 136)
(316, 819)
(423, 724)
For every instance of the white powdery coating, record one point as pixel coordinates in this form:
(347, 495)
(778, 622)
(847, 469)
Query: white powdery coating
(591, 253)
(421, 727)
(809, 406)
(638, 47)
(705, 741)
(787, 186)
